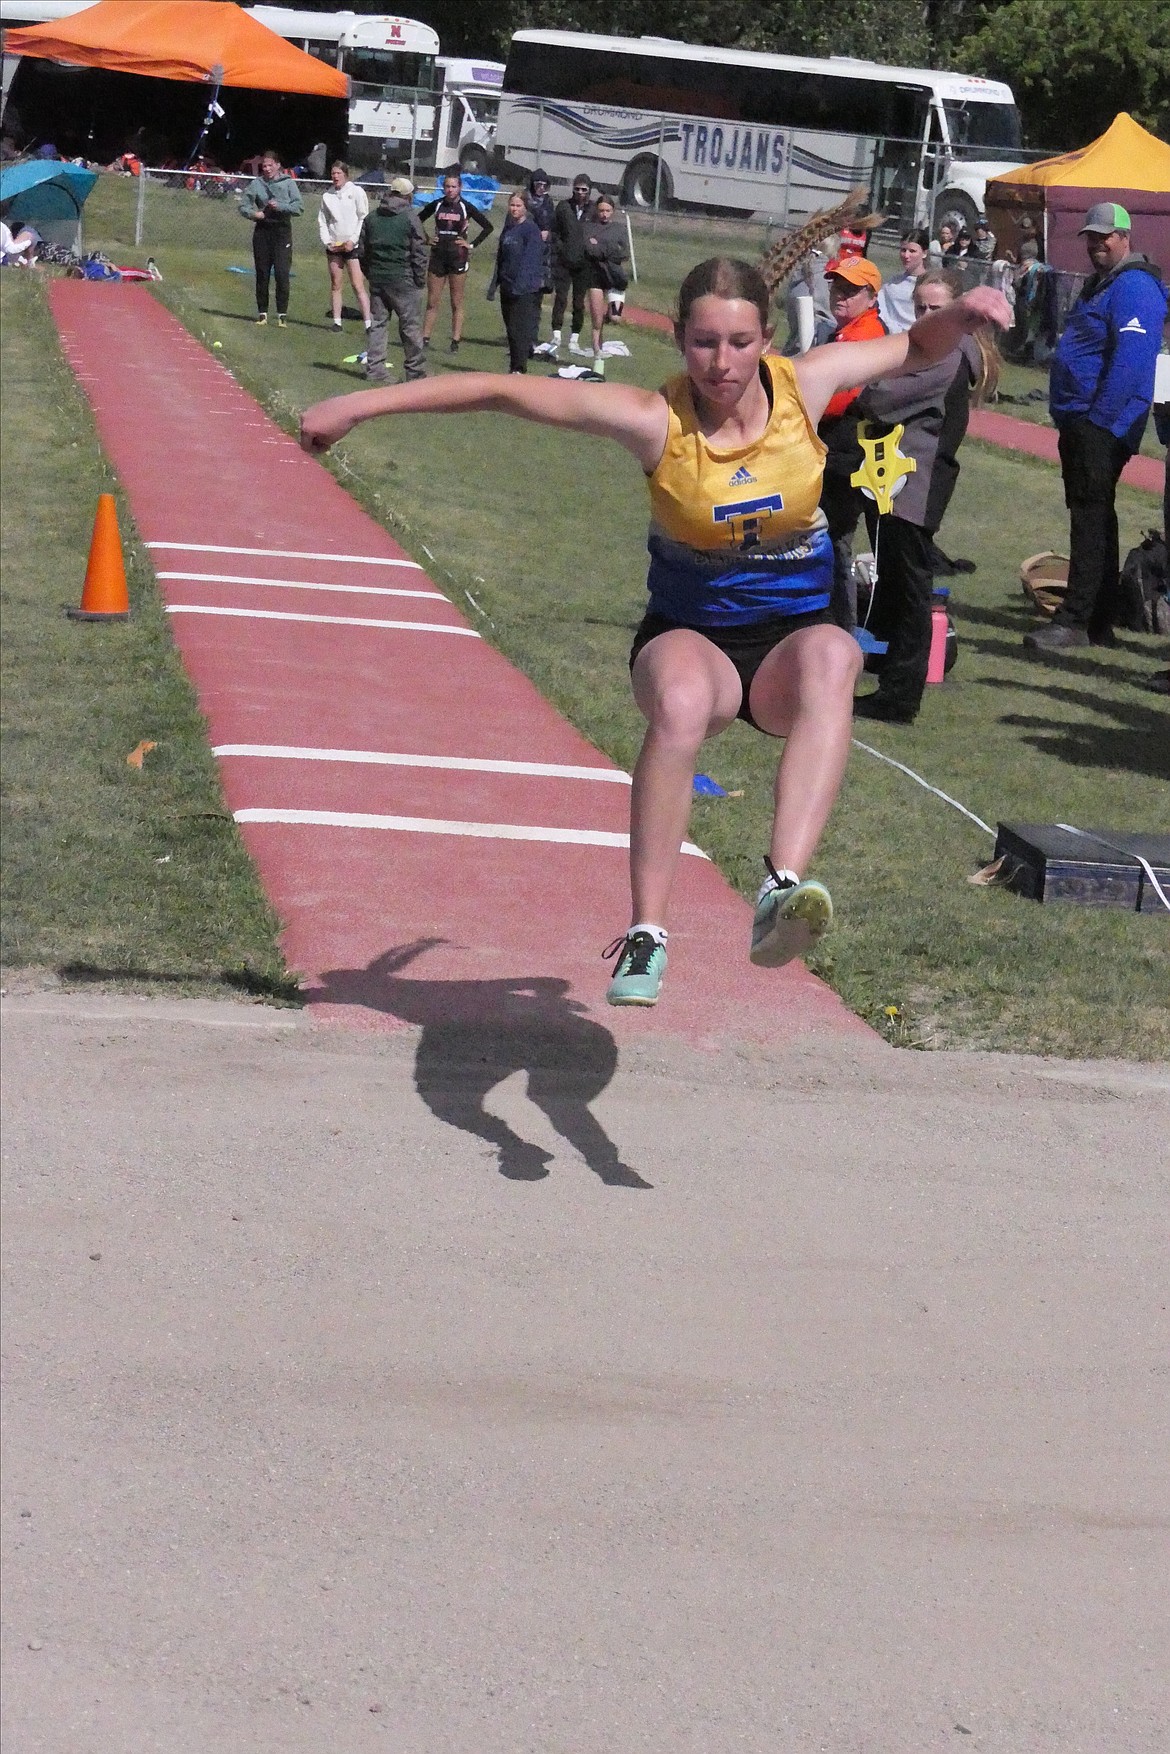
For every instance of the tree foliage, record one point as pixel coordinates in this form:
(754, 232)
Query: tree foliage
(1073, 64)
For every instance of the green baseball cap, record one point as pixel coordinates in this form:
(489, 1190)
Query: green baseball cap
(1104, 217)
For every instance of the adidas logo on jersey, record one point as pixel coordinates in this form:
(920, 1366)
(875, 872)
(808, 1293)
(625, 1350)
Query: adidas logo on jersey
(1133, 327)
(742, 478)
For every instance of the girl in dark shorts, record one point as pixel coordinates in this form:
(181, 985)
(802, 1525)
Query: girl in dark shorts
(450, 253)
(739, 560)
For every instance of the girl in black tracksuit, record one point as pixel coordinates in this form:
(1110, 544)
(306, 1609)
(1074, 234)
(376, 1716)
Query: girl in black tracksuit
(451, 253)
(933, 405)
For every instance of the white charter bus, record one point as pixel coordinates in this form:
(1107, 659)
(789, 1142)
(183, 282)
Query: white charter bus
(468, 109)
(393, 104)
(407, 101)
(779, 135)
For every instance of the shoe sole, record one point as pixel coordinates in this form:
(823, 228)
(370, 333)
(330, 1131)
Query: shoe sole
(794, 932)
(632, 1001)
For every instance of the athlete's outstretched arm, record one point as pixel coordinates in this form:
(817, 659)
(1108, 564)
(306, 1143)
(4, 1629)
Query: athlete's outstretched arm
(633, 418)
(841, 365)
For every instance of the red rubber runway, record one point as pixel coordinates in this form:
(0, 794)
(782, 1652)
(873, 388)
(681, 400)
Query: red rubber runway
(1003, 430)
(386, 765)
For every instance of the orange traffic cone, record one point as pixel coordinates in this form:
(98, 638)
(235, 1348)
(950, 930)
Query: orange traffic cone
(104, 596)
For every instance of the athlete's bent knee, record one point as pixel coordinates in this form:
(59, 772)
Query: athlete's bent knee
(831, 659)
(681, 710)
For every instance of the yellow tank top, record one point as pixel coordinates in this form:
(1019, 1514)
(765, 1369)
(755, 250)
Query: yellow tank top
(750, 498)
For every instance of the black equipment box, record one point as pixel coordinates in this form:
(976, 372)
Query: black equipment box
(1048, 863)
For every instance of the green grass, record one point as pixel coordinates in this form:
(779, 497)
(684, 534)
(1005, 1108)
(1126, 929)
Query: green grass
(547, 533)
(107, 871)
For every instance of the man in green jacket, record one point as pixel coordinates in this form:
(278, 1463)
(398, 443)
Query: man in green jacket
(270, 201)
(393, 253)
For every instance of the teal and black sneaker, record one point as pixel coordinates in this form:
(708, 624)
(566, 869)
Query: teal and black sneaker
(641, 964)
(789, 919)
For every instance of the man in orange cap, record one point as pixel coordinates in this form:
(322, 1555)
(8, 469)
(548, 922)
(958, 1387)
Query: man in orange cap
(854, 283)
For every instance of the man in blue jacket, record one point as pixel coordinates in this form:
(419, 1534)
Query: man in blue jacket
(1100, 391)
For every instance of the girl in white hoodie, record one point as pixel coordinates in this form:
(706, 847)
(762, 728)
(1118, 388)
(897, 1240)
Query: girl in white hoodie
(339, 221)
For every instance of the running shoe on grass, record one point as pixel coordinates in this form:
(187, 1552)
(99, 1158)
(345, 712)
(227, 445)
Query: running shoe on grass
(641, 964)
(790, 918)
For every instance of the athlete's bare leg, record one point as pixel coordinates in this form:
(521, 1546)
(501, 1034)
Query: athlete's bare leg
(598, 304)
(334, 287)
(359, 287)
(435, 285)
(688, 691)
(457, 283)
(803, 692)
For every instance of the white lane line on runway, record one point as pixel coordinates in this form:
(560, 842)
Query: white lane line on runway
(327, 620)
(228, 578)
(288, 554)
(458, 763)
(587, 837)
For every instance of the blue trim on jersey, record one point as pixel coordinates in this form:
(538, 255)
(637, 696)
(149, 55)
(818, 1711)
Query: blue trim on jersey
(694, 588)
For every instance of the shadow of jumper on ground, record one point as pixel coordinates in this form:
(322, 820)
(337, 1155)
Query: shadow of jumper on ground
(477, 1033)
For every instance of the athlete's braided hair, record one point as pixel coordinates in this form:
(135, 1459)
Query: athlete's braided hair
(786, 255)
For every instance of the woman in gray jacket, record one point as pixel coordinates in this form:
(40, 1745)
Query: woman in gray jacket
(605, 250)
(933, 406)
(270, 201)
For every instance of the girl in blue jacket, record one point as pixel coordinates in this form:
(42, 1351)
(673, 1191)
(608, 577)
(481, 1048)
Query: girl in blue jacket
(520, 279)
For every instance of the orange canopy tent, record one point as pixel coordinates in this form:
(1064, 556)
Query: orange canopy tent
(205, 42)
(1126, 164)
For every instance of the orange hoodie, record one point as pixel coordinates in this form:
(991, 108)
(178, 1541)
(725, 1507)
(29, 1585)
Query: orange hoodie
(867, 327)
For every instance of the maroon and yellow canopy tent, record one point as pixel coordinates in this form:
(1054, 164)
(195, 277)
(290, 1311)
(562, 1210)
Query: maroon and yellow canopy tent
(1126, 164)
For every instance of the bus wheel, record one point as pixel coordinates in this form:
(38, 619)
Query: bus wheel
(955, 207)
(641, 180)
(474, 160)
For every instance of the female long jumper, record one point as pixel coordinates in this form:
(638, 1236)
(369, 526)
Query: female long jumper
(740, 574)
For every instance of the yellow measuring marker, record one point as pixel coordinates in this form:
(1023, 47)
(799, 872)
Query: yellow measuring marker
(884, 469)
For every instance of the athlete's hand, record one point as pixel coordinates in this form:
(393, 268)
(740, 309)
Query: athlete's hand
(984, 305)
(325, 423)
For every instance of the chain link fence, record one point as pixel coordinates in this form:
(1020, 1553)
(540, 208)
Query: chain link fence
(178, 216)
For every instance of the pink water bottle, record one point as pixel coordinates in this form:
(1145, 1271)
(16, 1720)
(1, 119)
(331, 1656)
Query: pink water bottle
(936, 664)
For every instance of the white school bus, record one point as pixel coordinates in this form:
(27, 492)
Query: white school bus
(659, 121)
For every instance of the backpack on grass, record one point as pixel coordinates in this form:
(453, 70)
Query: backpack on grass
(1145, 587)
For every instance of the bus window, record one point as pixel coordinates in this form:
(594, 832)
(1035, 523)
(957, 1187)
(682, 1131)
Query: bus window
(771, 97)
(977, 128)
(385, 67)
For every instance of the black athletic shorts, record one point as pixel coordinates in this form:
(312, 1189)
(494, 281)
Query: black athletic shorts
(343, 253)
(747, 644)
(448, 256)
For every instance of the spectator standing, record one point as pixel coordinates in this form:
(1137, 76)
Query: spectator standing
(393, 251)
(342, 213)
(933, 406)
(982, 241)
(1101, 387)
(519, 278)
(542, 209)
(606, 249)
(572, 275)
(896, 298)
(271, 201)
(943, 244)
(451, 253)
(854, 285)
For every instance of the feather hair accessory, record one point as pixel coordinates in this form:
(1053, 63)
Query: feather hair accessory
(787, 254)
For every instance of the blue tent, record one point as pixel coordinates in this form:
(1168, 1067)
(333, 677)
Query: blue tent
(46, 194)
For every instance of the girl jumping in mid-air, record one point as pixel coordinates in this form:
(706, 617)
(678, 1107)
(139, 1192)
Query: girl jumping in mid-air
(740, 574)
